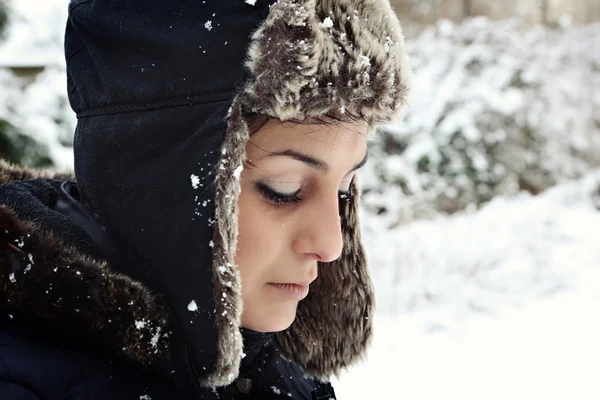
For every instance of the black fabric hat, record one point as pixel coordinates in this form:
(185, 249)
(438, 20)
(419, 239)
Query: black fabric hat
(161, 90)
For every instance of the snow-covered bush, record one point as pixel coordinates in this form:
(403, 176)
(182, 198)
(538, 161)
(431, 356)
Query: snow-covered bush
(18, 148)
(512, 250)
(3, 16)
(36, 123)
(497, 107)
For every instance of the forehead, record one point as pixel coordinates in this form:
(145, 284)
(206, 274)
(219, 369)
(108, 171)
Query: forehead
(316, 138)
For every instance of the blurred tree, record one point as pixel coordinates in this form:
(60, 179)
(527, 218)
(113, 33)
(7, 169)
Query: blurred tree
(18, 148)
(466, 8)
(3, 16)
(15, 146)
(544, 11)
(488, 118)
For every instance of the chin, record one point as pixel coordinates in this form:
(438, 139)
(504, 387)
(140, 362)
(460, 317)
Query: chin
(268, 322)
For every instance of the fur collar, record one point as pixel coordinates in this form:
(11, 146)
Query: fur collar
(80, 300)
(11, 173)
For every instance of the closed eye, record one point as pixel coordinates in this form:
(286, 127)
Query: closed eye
(277, 198)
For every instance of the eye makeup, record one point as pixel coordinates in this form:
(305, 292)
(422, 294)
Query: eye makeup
(276, 197)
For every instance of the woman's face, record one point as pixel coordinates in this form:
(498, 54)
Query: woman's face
(288, 213)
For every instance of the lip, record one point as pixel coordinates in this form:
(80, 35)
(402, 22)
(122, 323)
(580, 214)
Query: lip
(294, 291)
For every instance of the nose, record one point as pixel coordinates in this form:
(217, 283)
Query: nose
(320, 232)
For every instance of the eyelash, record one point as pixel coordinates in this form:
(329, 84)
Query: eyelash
(277, 198)
(282, 199)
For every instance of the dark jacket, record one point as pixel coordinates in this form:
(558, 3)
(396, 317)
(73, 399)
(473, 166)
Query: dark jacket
(125, 284)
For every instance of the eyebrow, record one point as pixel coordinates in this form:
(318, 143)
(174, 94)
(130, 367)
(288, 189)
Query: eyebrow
(313, 162)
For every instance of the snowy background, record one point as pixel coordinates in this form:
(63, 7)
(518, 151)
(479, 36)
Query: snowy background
(481, 207)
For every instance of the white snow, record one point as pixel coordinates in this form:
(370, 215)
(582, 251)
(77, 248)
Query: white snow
(276, 390)
(327, 23)
(251, 2)
(238, 172)
(208, 25)
(140, 324)
(195, 181)
(192, 306)
(155, 338)
(388, 43)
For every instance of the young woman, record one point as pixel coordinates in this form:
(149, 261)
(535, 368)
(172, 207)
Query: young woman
(210, 247)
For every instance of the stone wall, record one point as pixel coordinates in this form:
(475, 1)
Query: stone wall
(536, 11)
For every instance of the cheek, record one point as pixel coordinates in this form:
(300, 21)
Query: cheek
(262, 250)
(259, 243)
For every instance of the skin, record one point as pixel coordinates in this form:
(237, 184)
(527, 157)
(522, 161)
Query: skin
(281, 241)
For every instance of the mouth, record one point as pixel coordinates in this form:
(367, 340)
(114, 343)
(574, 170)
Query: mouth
(294, 291)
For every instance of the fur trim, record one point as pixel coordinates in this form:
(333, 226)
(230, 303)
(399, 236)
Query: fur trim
(310, 58)
(10, 173)
(226, 277)
(78, 299)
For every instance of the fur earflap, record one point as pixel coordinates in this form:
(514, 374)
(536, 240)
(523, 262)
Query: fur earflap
(80, 300)
(308, 59)
(227, 290)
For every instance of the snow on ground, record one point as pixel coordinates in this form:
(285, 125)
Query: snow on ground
(499, 304)
(547, 350)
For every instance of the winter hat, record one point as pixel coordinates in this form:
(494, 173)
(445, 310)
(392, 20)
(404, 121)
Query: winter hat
(162, 91)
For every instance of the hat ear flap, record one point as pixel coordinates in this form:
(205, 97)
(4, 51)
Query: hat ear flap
(333, 324)
(227, 289)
